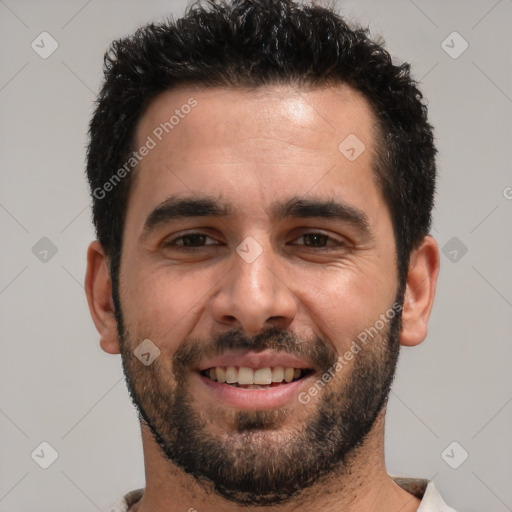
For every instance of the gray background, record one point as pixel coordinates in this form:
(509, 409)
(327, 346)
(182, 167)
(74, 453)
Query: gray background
(58, 386)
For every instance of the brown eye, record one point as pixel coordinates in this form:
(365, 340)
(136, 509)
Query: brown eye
(315, 240)
(191, 241)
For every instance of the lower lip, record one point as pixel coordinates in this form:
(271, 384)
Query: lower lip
(254, 399)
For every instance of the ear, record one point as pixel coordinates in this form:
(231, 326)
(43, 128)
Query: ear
(420, 291)
(98, 289)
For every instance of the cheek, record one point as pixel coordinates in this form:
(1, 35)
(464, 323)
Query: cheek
(163, 305)
(346, 302)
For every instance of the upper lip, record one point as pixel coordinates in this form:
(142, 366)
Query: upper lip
(264, 359)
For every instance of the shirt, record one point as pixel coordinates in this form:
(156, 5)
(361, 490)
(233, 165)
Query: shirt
(431, 500)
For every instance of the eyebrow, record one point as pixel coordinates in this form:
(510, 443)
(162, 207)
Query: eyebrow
(176, 208)
(338, 210)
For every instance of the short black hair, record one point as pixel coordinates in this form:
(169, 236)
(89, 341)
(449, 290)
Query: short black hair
(251, 44)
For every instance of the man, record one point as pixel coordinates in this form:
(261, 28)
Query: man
(262, 179)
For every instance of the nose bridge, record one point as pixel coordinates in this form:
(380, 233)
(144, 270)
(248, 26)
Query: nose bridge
(254, 273)
(254, 295)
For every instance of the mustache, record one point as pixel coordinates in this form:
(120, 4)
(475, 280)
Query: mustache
(316, 350)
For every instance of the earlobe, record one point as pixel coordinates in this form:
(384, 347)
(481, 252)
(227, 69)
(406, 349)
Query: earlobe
(98, 289)
(420, 292)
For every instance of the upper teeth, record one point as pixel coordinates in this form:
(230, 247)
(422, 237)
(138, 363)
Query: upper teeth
(245, 375)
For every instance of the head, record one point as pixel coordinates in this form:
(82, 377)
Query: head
(262, 178)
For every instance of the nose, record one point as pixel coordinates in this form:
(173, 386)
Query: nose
(254, 296)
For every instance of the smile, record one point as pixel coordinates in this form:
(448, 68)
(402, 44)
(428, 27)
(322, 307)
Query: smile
(254, 378)
(254, 383)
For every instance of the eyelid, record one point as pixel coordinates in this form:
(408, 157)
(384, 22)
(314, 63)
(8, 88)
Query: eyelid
(336, 241)
(170, 241)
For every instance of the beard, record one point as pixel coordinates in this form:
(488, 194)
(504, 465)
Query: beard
(261, 460)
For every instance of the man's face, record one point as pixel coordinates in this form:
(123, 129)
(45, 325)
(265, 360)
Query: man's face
(252, 241)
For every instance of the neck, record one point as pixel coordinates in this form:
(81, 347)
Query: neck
(362, 485)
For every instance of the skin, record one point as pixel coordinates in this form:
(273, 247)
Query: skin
(251, 149)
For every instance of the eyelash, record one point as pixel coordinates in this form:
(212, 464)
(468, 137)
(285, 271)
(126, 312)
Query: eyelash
(172, 243)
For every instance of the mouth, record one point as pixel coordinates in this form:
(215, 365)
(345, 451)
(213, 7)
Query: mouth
(255, 384)
(255, 378)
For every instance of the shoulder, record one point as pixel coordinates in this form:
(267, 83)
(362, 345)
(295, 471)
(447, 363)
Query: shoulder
(127, 501)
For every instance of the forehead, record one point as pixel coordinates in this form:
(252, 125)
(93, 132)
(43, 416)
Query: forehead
(255, 145)
(315, 117)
